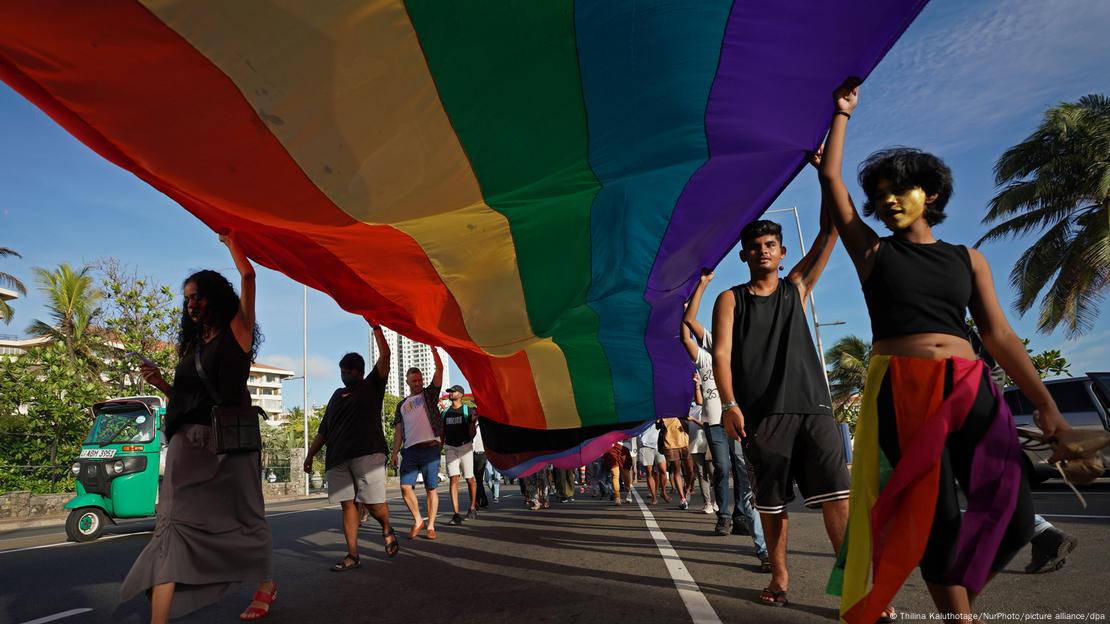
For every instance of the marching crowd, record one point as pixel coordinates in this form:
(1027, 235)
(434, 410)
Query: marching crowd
(760, 421)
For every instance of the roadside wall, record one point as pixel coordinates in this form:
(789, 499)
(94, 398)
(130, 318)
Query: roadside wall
(27, 505)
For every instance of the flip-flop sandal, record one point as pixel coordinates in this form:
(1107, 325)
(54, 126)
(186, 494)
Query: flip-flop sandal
(888, 616)
(772, 598)
(343, 566)
(392, 546)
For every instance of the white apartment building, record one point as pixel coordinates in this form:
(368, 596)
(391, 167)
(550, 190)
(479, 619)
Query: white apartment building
(405, 354)
(264, 385)
(11, 345)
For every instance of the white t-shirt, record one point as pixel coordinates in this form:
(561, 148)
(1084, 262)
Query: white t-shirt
(698, 442)
(415, 417)
(711, 399)
(650, 438)
(630, 444)
(478, 445)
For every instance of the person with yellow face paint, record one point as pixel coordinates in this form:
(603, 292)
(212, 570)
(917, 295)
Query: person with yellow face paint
(932, 421)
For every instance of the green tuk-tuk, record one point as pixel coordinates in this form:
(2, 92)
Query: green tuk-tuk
(120, 465)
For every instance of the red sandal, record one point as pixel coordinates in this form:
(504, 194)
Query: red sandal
(257, 613)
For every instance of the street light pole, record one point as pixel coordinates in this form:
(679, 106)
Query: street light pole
(304, 364)
(812, 300)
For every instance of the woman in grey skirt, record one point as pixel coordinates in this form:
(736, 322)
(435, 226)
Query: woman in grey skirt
(211, 530)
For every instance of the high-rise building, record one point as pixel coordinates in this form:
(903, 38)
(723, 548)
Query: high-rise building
(405, 354)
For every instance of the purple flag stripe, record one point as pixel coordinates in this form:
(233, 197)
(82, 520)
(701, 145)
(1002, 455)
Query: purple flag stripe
(770, 104)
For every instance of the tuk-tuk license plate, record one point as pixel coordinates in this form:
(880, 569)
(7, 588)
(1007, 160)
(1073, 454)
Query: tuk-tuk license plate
(98, 453)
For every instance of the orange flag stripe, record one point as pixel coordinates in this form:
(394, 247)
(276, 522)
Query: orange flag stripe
(205, 146)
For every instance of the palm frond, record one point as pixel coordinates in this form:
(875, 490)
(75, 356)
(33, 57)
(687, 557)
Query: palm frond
(1073, 298)
(44, 330)
(1058, 179)
(10, 281)
(848, 358)
(1038, 264)
(1023, 224)
(1102, 188)
(1022, 159)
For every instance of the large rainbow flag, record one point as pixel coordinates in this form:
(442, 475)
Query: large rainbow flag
(534, 185)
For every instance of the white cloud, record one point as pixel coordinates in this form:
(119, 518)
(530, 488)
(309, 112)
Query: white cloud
(318, 365)
(1089, 353)
(965, 69)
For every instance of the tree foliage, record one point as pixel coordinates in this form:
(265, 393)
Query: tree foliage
(1057, 182)
(848, 360)
(46, 393)
(1049, 363)
(73, 301)
(139, 317)
(45, 400)
(7, 280)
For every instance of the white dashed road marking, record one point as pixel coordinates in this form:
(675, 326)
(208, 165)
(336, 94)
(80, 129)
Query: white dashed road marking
(57, 616)
(701, 612)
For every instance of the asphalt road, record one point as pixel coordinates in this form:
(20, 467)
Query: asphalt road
(586, 561)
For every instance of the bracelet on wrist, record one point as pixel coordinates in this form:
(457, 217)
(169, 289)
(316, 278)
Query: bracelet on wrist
(845, 113)
(726, 406)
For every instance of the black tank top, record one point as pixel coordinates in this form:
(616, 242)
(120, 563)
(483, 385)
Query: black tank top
(226, 366)
(918, 288)
(775, 368)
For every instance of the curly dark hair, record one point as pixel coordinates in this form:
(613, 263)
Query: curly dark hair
(223, 305)
(762, 227)
(905, 168)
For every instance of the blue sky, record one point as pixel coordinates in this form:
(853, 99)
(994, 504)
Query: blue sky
(968, 80)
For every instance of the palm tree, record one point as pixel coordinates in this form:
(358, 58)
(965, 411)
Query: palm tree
(72, 300)
(7, 280)
(1057, 182)
(849, 359)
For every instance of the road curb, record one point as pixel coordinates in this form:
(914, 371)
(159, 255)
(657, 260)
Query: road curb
(50, 520)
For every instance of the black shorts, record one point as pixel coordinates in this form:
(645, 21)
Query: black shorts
(803, 448)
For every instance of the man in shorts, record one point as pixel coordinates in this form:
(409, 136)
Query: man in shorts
(773, 391)
(418, 428)
(676, 452)
(355, 459)
(459, 428)
(653, 461)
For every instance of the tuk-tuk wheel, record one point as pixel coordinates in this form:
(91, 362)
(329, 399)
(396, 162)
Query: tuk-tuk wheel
(85, 524)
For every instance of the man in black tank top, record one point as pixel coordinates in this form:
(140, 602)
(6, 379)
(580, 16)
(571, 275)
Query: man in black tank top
(773, 392)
